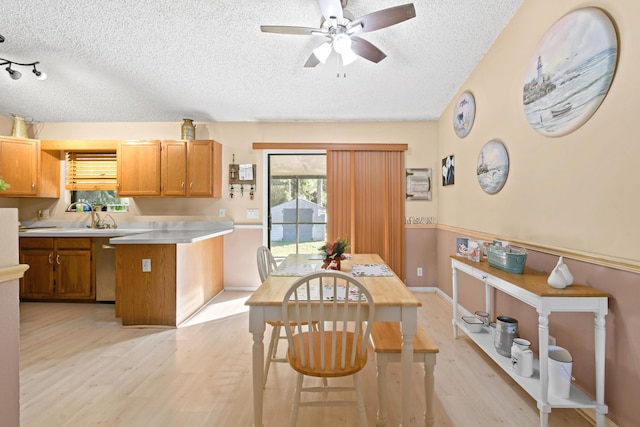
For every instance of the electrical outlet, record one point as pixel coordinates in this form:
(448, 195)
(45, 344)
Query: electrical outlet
(419, 271)
(146, 265)
(552, 340)
(43, 213)
(221, 212)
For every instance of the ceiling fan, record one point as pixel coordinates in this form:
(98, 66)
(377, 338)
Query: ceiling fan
(340, 28)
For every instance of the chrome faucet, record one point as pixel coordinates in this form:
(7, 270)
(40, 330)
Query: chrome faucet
(95, 218)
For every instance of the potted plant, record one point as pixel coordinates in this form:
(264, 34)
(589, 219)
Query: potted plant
(4, 185)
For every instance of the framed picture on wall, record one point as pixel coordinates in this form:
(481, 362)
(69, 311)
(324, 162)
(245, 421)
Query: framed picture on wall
(570, 72)
(418, 184)
(464, 114)
(493, 166)
(448, 170)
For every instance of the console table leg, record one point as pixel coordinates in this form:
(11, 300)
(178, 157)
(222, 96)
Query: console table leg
(600, 342)
(454, 281)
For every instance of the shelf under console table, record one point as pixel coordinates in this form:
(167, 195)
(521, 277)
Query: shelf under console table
(532, 289)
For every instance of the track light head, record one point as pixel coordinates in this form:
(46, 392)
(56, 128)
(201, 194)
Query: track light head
(14, 74)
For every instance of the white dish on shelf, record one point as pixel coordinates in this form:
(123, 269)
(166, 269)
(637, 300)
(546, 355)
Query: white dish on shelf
(472, 323)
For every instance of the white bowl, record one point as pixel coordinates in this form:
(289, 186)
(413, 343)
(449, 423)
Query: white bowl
(472, 323)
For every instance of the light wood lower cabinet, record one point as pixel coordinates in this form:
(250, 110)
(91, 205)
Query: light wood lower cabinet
(59, 268)
(182, 279)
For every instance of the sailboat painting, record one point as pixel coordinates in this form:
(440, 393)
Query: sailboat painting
(570, 72)
(493, 166)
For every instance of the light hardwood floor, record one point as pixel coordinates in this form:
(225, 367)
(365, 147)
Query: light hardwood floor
(79, 367)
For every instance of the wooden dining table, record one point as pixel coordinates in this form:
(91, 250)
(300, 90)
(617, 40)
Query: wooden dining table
(392, 300)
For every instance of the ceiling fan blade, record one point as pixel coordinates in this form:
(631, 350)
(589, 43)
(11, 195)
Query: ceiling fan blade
(312, 61)
(280, 29)
(384, 18)
(331, 9)
(365, 49)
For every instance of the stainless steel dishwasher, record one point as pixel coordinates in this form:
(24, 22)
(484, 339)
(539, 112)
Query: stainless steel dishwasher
(105, 270)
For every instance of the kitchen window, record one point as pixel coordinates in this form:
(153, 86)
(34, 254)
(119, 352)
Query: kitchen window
(91, 177)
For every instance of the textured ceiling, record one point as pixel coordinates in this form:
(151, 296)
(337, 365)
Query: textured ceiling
(161, 61)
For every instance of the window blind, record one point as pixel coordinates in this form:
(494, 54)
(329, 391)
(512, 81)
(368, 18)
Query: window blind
(91, 171)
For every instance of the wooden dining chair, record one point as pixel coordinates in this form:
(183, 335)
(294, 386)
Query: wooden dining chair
(267, 265)
(344, 312)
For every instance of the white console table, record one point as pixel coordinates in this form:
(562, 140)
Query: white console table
(532, 289)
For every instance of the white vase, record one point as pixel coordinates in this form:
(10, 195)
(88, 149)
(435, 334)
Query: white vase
(560, 276)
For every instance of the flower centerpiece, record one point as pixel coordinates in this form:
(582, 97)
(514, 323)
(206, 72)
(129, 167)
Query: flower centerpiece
(334, 253)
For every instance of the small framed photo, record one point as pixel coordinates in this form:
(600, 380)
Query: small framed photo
(448, 170)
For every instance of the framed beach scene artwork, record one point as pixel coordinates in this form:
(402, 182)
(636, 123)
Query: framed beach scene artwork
(493, 166)
(463, 114)
(570, 72)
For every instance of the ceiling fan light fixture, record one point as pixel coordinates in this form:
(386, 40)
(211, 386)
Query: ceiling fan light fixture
(348, 57)
(322, 52)
(342, 43)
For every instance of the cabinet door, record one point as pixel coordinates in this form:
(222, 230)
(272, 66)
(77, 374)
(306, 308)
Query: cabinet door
(38, 279)
(139, 168)
(73, 278)
(174, 168)
(19, 166)
(200, 169)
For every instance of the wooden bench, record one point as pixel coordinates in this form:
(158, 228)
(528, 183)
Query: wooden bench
(387, 344)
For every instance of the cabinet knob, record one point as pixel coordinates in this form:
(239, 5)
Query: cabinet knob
(191, 185)
(50, 258)
(58, 259)
(33, 186)
(182, 185)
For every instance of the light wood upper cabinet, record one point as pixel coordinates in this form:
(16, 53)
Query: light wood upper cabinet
(191, 168)
(139, 168)
(30, 171)
(170, 168)
(174, 168)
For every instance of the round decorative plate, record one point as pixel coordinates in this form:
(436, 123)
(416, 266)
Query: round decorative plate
(570, 72)
(493, 166)
(463, 114)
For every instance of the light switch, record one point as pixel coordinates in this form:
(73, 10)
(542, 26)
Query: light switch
(253, 213)
(146, 265)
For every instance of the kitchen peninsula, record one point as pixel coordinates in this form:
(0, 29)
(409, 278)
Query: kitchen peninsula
(164, 271)
(165, 275)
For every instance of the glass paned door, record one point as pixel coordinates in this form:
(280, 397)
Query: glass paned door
(297, 203)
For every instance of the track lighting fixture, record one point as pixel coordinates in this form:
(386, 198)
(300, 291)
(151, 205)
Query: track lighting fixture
(15, 74)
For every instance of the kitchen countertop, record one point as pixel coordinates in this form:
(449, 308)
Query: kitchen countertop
(136, 233)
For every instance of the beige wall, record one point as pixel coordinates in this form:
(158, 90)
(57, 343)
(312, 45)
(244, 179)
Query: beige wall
(575, 194)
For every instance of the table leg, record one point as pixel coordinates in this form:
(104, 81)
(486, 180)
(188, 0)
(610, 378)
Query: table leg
(256, 327)
(381, 363)
(543, 346)
(409, 328)
(454, 281)
(600, 342)
(429, 364)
